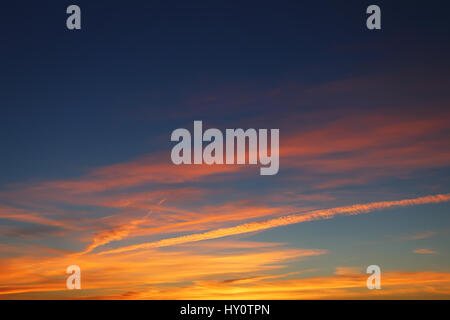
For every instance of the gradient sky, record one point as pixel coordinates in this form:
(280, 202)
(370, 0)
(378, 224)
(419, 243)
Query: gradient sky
(86, 176)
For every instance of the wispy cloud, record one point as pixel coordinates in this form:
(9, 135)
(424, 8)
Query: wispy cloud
(409, 285)
(115, 234)
(424, 251)
(421, 236)
(286, 220)
(39, 272)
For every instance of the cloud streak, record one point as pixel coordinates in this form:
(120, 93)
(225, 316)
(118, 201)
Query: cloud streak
(424, 251)
(283, 221)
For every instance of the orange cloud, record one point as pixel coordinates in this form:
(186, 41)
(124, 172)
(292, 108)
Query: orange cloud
(348, 150)
(156, 168)
(41, 273)
(360, 147)
(424, 251)
(114, 234)
(282, 221)
(420, 236)
(395, 285)
(12, 213)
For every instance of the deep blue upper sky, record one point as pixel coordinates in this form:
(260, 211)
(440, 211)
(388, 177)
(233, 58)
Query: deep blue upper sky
(70, 100)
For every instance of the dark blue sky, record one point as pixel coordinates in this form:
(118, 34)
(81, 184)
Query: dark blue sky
(138, 69)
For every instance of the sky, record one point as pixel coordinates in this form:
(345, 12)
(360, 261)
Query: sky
(86, 176)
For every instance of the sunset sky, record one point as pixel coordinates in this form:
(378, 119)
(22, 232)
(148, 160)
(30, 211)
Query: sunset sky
(86, 176)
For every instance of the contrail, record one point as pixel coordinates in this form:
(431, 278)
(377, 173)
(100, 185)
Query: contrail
(283, 221)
